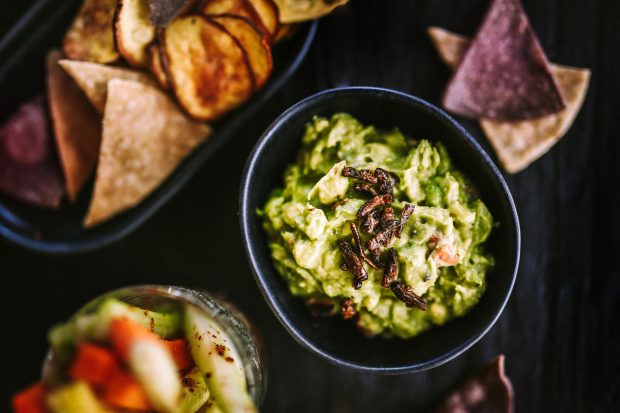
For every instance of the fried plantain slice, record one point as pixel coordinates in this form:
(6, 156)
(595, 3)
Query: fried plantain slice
(207, 68)
(255, 44)
(91, 36)
(241, 8)
(134, 31)
(268, 13)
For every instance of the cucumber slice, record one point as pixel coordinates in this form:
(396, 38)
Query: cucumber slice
(75, 398)
(214, 355)
(195, 393)
(153, 366)
(165, 325)
(94, 326)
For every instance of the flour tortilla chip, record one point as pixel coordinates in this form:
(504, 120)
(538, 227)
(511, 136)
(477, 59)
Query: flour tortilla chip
(504, 74)
(77, 126)
(93, 79)
(520, 143)
(145, 137)
(29, 169)
(489, 391)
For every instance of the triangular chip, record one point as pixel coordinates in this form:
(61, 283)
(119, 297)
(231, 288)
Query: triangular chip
(77, 126)
(489, 391)
(145, 136)
(93, 79)
(504, 74)
(29, 168)
(520, 143)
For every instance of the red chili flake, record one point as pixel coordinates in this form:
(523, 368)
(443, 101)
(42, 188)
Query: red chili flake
(229, 359)
(220, 349)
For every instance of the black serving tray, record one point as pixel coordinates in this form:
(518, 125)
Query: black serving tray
(22, 76)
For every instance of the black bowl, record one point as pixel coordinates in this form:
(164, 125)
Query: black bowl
(333, 339)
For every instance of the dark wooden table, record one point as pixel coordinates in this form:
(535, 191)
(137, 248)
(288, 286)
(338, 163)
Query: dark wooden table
(561, 329)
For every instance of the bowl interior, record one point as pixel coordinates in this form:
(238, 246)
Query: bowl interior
(334, 339)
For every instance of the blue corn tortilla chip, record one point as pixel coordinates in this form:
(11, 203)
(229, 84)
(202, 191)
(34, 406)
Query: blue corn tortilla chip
(489, 391)
(29, 169)
(504, 74)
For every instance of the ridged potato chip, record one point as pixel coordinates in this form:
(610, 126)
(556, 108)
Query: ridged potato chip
(207, 67)
(91, 36)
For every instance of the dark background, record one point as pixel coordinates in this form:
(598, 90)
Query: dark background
(561, 329)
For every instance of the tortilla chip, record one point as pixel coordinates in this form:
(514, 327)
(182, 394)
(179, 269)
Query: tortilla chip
(93, 79)
(145, 136)
(504, 74)
(520, 143)
(77, 126)
(489, 391)
(450, 46)
(29, 169)
(164, 11)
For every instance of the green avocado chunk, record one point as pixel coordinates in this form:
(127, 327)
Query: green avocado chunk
(441, 252)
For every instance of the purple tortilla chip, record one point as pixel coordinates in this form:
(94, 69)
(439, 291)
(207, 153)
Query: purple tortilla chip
(29, 168)
(164, 11)
(489, 391)
(504, 74)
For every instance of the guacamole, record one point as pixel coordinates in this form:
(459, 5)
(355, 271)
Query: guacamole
(437, 253)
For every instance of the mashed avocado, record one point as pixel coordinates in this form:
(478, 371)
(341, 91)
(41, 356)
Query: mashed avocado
(440, 251)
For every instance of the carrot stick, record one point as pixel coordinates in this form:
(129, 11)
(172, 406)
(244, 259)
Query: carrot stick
(124, 334)
(30, 400)
(93, 365)
(124, 392)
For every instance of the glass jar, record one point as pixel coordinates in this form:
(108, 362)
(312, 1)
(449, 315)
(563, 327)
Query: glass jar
(232, 322)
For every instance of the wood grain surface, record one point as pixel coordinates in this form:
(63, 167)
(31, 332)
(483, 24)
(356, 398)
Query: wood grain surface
(561, 329)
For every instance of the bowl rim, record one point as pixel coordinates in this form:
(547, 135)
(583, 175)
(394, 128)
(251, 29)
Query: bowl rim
(260, 277)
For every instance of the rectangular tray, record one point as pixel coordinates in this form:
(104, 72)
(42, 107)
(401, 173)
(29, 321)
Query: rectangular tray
(22, 76)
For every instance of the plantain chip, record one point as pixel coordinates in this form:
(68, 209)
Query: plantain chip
(77, 126)
(285, 31)
(255, 44)
(240, 8)
(156, 66)
(267, 11)
(93, 79)
(145, 137)
(207, 68)
(292, 11)
(91, 36)
(134, 31)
